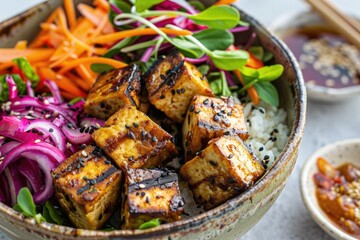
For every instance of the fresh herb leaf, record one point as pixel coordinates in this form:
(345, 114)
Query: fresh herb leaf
(215, 39)
(117, 47)
(120, 4)
(257, 51)
(142, 5)
(204, 69)
(197, 5)
(229, 60)
(222, 17)
(268, 93)
(186, 47)
(218, 84)
(100, 67)
(26, 203)
(4, 87)
(150, 224)
(28, 70)
(270, 73)
(267, 56)
(225, 87)
(51, 214)
(242, 23)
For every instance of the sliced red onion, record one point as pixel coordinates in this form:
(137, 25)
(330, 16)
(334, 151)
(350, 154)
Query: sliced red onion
(13, 92)
(29, 89)
(30, 170)
(13, 128)
(197, 60)
(185, 5)
(2, 194)
(7, 147)
(147, 54)
(96, 123)
(55, 92)
(4, 186)
(115, 9)
(49, 129)
(11, 187)
(251, 41)
(75, 136)
(18, 181)
(239, 29)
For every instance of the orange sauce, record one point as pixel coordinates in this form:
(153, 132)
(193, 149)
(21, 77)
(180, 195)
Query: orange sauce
(338, 195)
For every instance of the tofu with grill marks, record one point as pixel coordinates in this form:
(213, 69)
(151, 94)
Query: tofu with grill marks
(224, 169)
(150, 194)
(87, 186)
(209, 118)
(133, 140)
(114, 90)
(172, 82)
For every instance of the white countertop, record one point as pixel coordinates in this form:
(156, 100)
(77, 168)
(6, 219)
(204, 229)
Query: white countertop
(326, 123)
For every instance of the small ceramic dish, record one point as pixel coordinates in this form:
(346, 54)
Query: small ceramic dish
(290, 22)
(339, 153)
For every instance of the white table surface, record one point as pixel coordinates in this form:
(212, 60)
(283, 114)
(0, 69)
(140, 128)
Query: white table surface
(326, 123)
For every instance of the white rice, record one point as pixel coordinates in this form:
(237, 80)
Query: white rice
(268, 133)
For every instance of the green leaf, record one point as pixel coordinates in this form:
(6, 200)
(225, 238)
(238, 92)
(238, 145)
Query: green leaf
(120, 4)
(142, 5)
(245, 24)
(222, 17)
(225, 87)
(186, 47)
(197, 5)
(4, 87)
(117, 47)
(52, 214)
(229, 60)
(100, 67)
(267, 92)
(257, 51)
(249, 72)
(28, 70)
(216, 86)
(204, 69)
(26, 202)
(270, 73)
(215, 39)
(267, 56)
(150, 224)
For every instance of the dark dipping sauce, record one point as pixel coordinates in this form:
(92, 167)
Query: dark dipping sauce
(325, 58)
(338, 195)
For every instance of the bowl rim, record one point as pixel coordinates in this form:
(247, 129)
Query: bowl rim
(292, 144)
(281, 23)
(315, 211)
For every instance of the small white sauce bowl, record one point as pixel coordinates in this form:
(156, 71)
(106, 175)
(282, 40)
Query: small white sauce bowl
(339, 153)
(283, 25)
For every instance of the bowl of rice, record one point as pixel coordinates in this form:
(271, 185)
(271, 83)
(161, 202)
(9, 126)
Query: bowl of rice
(275, 134)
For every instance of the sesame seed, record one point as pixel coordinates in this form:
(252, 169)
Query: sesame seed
(16, 103)
(206, 101)
(127, 126)
(46, 102)
(142, 194)
(261, 149)
(84, 153)
(162, 97)
(192, 107)
(37, 141)
(131, 135)
(266, 157)
(216, 118)
(147, 199)
(131, 158)
(57, 176)
(142, 185)
(143, 133)
(231, 155)
(182, 90)
(135, 125)
(154, 139)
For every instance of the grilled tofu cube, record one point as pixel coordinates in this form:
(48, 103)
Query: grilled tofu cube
(150, 194)
(87, 186)
(209, 118)
(172, 82)
(133, 140)
(221, 171)
(113, 90)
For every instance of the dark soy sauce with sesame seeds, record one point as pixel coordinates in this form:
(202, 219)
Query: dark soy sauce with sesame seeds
(326, 59)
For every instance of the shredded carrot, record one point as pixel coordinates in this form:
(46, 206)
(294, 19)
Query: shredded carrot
(100, 27)
(86, 75)
(6, 65)
(70, 12)
(89, 13)
(21, 45)
(53, 16)
(224, 2)
(90, 60)
(251, 91)
(33, 55)
(138, 32)
(78, 81)
(102, 4)
(50, 27)
(63, 82)
(68, 96)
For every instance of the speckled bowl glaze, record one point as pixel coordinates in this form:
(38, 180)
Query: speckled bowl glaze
(286, 23)
(232, 219)
(339, 153)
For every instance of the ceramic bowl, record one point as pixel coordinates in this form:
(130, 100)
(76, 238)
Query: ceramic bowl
(339, 153)
(232, 219)
(287, 23)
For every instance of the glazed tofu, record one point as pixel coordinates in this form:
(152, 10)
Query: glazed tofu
(133, 140)
(150, 194)
(172, 82)
(209, 118)
(224, 169)
(87, 186)
(114, 90)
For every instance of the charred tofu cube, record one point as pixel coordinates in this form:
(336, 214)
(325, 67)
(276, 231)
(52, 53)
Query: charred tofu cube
(172, 82)
(224, 169)
(87, 186)
(133, 140)
(209, 118)
(114, 90)
(150, 194)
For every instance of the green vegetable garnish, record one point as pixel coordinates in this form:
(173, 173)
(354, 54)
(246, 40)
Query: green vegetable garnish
(100, 67)
(142, 5)
(28, 70)
(150, 224)
(4, 87)
(218, 84)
